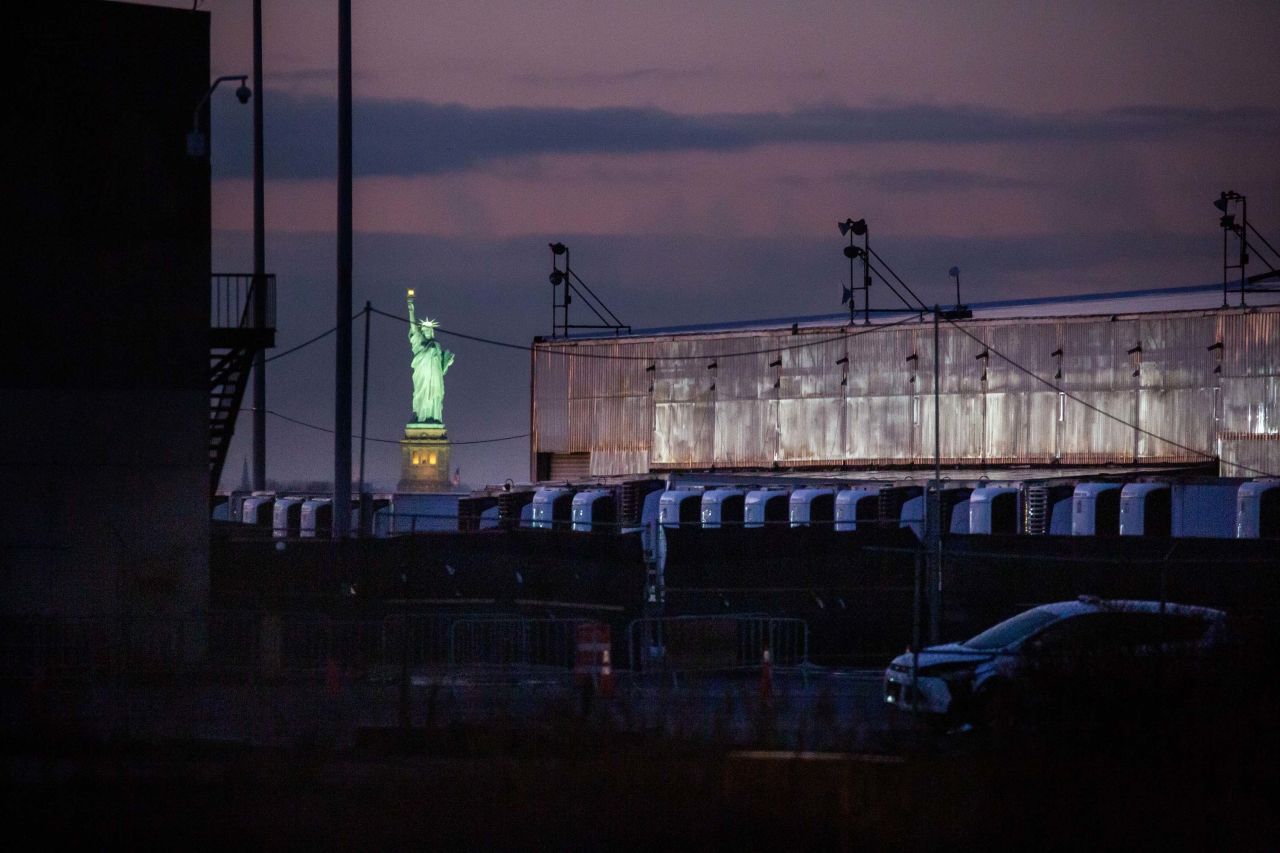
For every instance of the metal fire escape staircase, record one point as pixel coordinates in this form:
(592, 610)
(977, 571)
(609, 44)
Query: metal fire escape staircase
(241, 323)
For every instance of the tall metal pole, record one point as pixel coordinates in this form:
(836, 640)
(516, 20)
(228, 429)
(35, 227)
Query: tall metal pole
(866, 277)
(566, 292)
(853, 305)
(934, 506)
(259, 265)
(342, 369)
(366, 525)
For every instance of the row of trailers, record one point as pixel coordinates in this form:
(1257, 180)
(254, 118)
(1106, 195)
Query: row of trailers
(1192, 507)
(291, 516)
(1198, 507)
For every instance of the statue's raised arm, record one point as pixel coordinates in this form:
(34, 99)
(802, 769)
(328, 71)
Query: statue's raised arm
(414, 335)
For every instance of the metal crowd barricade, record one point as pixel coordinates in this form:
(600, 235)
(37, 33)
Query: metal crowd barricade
(716, 643)
(505, 642)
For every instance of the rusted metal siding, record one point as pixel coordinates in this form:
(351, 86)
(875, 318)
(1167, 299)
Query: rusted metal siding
(1079, 390)
(610, 463)
(551, 400)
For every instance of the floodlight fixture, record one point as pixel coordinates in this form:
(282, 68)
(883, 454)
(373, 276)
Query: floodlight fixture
(558, 248)
(852, 252)
(556, 277)
(1225, 197)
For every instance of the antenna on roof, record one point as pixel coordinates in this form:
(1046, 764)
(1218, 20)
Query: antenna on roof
(960, 312)
(1241, 229)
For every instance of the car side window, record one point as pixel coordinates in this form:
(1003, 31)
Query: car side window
(1120, 630)
(1074, 632)
(1090, 631)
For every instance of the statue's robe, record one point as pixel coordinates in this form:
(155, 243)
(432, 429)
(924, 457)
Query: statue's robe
(430, 363)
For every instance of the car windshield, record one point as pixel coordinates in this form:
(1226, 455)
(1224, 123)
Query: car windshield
(1011, 630)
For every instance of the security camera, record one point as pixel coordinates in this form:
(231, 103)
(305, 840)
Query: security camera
(243, 94)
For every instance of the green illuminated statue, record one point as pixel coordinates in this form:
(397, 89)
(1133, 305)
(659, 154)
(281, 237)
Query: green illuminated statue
(430, 364)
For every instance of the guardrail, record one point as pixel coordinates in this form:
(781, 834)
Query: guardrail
(231, 301)
(716, 643)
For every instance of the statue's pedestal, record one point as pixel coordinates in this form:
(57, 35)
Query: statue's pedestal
(424, 459)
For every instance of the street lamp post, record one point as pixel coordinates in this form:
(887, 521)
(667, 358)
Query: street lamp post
(259, 266)
(197, 144)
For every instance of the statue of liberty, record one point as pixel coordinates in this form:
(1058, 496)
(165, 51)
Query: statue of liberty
(430, 364)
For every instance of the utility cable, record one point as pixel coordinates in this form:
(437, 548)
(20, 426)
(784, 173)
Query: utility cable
(310, 341)
(319, 428)
(652, 358)
(1098, 410)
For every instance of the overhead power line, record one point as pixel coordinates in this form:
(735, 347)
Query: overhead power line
(571, 353)
(1118, 419)
(771, 350)
(329, 430)
(309, 341)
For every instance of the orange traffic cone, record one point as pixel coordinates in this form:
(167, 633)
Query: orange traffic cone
(766, 677)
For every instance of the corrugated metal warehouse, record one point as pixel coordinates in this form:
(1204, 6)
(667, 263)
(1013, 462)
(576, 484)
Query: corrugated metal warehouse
(1107, 380)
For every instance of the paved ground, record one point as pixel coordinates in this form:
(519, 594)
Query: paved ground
(810, 708)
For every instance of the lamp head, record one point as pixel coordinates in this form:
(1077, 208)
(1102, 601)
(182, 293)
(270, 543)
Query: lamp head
(243, 93)
(558, 248)
(556, 277)
(852, 252)
(859, 228)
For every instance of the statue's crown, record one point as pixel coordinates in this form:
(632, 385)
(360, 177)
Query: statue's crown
(429, 323)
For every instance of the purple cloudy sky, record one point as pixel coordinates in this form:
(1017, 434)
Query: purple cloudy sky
(696, 157)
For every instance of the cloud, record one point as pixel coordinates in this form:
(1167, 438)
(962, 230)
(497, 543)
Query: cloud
(398, 138)
(616, 78)
(935, 180)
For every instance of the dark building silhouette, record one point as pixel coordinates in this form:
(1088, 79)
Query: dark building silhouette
(104, 386)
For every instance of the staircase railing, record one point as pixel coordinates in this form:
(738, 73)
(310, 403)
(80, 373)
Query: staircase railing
(232, 297)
